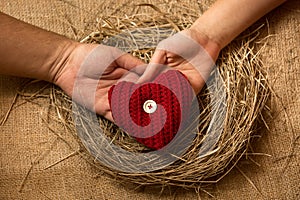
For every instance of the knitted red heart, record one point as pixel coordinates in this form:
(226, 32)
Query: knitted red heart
(152, 112)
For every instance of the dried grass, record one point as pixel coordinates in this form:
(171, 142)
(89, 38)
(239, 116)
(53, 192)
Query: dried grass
(247, 90)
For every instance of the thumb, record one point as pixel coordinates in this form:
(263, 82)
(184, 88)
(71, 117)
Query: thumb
(130, 63)
(155, 66)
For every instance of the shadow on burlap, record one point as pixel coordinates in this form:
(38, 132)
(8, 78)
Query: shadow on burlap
(28, 145)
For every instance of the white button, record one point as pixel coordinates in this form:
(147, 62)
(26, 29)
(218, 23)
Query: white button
(150, 106)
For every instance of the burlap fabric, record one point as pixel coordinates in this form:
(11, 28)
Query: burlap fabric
(28, 146)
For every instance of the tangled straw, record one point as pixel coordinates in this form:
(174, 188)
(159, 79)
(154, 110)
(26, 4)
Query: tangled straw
(241, 74)
(247, 92)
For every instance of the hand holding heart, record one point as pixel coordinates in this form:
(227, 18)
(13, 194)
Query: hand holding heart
(189, 52)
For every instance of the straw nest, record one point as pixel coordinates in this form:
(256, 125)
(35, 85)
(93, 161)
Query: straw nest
(239, 73)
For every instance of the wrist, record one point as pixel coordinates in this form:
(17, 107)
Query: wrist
(207, 41)
(58, 61)
(69, 62)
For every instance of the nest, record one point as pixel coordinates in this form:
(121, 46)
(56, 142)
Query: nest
(239, 74)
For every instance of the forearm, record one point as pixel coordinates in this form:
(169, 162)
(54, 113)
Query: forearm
(228, 18)
(29, 51)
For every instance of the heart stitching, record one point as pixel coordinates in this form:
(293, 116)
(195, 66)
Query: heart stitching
(173, 95)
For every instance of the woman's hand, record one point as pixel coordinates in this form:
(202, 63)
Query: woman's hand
(212, 31)
(188, 51)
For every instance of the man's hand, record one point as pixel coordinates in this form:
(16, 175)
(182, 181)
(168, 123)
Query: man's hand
(51, 57)
(91, 70)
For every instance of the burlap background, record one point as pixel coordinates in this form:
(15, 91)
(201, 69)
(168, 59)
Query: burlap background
(27, 144)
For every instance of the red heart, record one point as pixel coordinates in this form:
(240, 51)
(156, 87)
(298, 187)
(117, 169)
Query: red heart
(173, 96)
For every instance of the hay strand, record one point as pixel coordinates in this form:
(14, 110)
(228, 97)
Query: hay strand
(4, 119)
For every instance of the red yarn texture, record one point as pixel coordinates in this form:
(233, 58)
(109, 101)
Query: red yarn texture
(171, 90)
